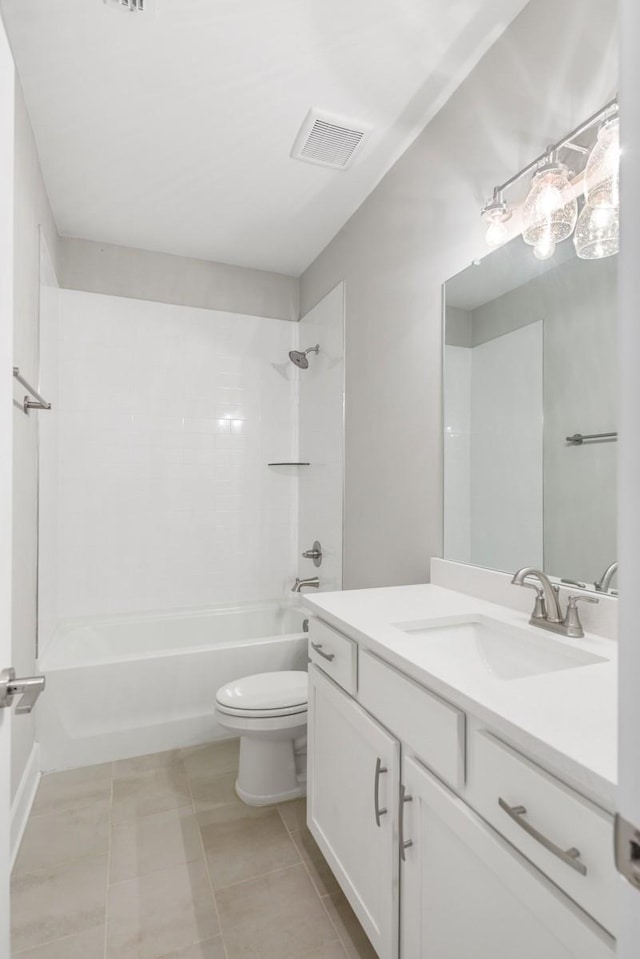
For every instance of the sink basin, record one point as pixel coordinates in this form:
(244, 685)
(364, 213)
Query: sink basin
(490, 646)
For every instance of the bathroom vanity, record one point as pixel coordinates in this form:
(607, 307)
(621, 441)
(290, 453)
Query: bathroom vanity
(461, 775)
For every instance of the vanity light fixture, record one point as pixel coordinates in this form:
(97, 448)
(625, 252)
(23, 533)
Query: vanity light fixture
(597, 233)
(496, 214)
(550, 211)
(602, 172)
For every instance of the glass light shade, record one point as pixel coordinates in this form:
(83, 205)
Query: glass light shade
(497, 233)
(549, 211)
(597, 233)
(602, 172)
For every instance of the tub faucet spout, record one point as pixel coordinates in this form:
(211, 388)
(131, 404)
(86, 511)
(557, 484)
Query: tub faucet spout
(301, 583)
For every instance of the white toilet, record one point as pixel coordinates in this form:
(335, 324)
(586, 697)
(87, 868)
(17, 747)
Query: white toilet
(269, 712)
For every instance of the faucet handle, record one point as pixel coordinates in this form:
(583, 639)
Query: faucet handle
(574, 600)
(571, 620)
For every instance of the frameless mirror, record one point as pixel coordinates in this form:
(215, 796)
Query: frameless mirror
(530, 414)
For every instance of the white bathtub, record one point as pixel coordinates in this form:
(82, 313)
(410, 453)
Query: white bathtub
(122, 687)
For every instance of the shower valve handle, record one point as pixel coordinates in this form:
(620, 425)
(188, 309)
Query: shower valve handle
(315, 553)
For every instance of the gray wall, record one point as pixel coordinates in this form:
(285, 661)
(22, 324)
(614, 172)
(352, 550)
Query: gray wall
(143, 275)
(420, 226)
(580, 393)
(458, 329)
(31, 211)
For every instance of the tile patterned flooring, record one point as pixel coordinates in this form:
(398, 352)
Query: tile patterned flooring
(156, 858)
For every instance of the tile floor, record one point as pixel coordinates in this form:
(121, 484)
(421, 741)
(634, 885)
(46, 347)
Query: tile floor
(156, 858)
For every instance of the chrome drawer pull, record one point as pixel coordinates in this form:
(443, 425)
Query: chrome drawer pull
(318, 649)
(376, 790)
(569, 856)
(404, 843)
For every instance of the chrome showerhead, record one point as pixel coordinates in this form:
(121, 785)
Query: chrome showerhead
(299, 357)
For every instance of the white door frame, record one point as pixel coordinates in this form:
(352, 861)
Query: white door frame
(629, 462)
(7, 110)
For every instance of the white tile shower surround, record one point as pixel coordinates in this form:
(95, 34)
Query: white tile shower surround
(321, 439)
(166, 418)
(156, 858)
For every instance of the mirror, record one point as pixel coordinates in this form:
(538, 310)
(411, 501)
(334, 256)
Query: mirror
(529, 362)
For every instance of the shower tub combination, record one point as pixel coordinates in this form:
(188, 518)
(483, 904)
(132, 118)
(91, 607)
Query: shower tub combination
(127, 686)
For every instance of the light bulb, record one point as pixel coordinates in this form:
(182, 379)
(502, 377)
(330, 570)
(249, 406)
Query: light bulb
(495, 214)
(549, 210)
(496, 234)
(544, 248)
(597, 233)
(602, 172)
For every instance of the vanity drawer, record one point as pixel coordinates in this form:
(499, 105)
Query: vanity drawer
(544, 819)
(432, 728)
(334, 653)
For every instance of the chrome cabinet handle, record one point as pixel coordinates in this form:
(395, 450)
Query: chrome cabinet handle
(30, 687)
(319, 651)
(569, 856)
(376, 791)
(404, 843)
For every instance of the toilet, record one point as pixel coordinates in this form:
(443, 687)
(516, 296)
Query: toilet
(269, 713)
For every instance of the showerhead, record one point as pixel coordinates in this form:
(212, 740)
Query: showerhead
(299, 357)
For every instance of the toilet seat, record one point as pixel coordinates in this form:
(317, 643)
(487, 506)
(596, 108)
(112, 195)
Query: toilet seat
(265, 695)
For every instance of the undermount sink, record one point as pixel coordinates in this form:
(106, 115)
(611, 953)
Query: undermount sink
(490, 646)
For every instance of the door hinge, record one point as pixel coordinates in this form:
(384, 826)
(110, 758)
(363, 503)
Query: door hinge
(627, 850)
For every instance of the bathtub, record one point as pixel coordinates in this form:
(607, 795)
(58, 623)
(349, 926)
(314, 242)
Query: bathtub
(126, 686)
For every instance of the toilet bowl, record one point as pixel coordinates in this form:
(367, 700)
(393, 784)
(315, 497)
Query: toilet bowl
(269, 713)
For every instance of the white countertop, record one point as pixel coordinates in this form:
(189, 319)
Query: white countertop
(566, 719)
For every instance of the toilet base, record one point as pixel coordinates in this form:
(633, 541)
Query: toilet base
(270, 770)
(251, 800)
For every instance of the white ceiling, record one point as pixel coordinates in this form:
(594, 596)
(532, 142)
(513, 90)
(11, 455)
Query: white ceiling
(171, 130)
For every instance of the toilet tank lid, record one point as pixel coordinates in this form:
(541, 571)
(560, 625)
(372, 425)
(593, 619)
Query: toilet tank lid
(265, 691)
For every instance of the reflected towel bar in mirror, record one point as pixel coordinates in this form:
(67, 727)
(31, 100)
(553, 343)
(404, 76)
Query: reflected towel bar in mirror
(38, 402)
(578, 438)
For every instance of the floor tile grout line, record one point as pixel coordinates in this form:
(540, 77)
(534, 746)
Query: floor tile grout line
(206, 869)
(59, 864)
(51, 942)
(106, 892)
(330, 918)
(262, 875)
(320, 895)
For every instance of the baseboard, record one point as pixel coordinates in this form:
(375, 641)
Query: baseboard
(23, 800)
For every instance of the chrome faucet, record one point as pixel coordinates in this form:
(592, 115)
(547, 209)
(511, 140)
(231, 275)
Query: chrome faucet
(301, 583)
(604, 583)
(547, 613)
(547, 607)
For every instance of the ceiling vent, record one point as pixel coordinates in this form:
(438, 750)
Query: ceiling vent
(134, 6)
(329, 140)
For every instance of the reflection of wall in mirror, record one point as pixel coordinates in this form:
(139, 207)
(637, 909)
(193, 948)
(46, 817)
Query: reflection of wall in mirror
(576, 302)
(493, 450)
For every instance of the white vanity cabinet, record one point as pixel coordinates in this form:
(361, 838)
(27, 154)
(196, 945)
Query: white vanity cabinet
(468, 894)
(352, 806)
(430, 861)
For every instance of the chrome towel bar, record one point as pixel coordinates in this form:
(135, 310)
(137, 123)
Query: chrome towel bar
(38, 402)
(578, 438)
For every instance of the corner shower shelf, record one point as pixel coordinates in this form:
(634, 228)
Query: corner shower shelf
(288, 464)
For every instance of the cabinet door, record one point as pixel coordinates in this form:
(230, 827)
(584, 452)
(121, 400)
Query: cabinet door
(468, 893)
(352, 806)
